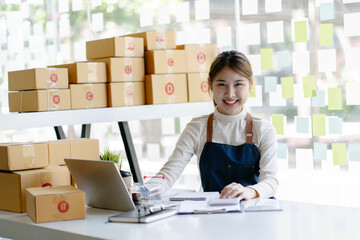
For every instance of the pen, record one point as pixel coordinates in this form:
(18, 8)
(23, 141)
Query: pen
(163, 177)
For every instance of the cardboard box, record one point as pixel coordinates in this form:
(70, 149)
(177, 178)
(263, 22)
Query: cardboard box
(165, 61)
(199, 56)
(80, 148)
(19, 156)
(85, 72)
(13, 185)
(126, 94)
(115, 47)
(157, 39)
(38, 78)
(39, 100)
(169, 88)
(124, 69)
(55, 203)
(198, 87)
(88, 95)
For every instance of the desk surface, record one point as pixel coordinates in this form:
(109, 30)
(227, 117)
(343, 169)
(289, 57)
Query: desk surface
(296, 221)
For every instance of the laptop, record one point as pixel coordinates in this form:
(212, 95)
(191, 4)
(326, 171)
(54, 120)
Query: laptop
(104, 188)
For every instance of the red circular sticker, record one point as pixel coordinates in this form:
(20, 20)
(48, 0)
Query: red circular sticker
(63, 206)
(47, 185)
(131, 46)
(89, 96)
(171, 62)
(128, 94)
(204, 86)
(201, 57)
(53, 77)
(56, 99)
(128, 69)
(159, 39)
(169, 88)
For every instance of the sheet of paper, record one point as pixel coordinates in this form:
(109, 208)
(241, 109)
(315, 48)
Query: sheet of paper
(77, 5)
(354, 152)
(64, 26)
(163, 14)
(203, 207)
(273, 6)
(327, 60)
(304, 158)
(250, 33)
(300, 30)
(15, 44)
(335, 125)
(302, 124)
(255, 100)
(50, 29)
(63, 6)
(352, 58)
(202, 10)
(223, 37)
(266, 58)
(326, 34)
(270, 83)
(261, 204)
(167, 126)
(339, 154)
(334, 99)
(351, 24)
(275, 32)
(182, 12)
(283, 59)
(95, 3)
(299, 99)
(146, 18)
(65, 52)
(320, 151)
(326, 11)
(80, 51)
(282, 150)
(276, 99)
(309, 86)
(301, 62)
(249, 7)
(352, 93)
(319, 124)
(97, 22)
(14, 21)
(277, 121)
(287, 86)
(255, 61)
(319, 99)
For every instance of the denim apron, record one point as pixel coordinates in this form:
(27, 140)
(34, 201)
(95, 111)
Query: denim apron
(221, 164)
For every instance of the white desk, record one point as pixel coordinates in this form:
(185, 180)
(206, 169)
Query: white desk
(297, 221)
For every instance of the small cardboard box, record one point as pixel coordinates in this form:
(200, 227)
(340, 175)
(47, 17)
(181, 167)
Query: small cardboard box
(115, 47)
(124, 69)
(38, 78)
(165, 61)
(198, 87)
(20, 156)
(199, 56)
(81, 148)
(157, 39)
(13, 185)
(55, 203)
(126, 94)
(85, 72)
(88, 95)
(39, 100)
(169, 88)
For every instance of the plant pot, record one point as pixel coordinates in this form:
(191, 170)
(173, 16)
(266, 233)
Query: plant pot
(127, 177)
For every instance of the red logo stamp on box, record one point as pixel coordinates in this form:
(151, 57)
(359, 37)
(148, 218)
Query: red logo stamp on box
(129, 94)
(201, 57)
(47, 185)
(63, 206)
(128, 69)
(171, 62)
(89, 96)
(131, 46)
(169, 88)
(204, 86)
(53, 77)
(56, 99)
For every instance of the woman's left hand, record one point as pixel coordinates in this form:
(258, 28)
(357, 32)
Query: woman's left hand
(236, 190)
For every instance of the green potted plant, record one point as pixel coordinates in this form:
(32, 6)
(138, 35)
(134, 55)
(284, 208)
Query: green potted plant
(116, 157)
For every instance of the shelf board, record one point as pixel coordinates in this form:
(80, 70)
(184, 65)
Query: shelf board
(11, 121)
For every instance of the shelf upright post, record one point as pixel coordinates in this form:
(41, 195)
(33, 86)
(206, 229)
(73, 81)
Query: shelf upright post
(59, 132)
(85, 130)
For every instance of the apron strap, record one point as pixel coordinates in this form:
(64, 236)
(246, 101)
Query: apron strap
(209, 130)
(249, 133)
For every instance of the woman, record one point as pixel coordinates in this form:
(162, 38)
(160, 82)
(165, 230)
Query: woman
(236, 150)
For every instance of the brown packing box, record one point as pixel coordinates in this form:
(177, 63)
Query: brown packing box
(126, 94)
(19, 156)
(166, 88)
(88, 95)
(124, 69)
(38, 78)
(55, 203)
(81, 148)
(85, 72)
(198, 87)
(39, 100)
(199, 56)
(115, 47)
(165, 61)
(157, 39)
(13, 185)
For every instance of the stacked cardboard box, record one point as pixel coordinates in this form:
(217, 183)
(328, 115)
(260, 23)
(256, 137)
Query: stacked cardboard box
(198, 59)
(165, 68)
(87, 84)
(124, 57)
(26, 165)
(39, 89)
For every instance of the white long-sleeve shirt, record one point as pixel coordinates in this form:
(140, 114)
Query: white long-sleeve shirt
(230, 130)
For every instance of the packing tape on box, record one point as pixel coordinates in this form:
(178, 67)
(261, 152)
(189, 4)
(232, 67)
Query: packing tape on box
(92, 72)
(161, 40)
(129, 93)
(46, 179)
(28, 154)
(170, 91)
(53, 77)
(89, 95)
(201, 59)
(21, 93)
(62, 204)
(170, 61)
(129, 46)
(128, 69)
(53, 100)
